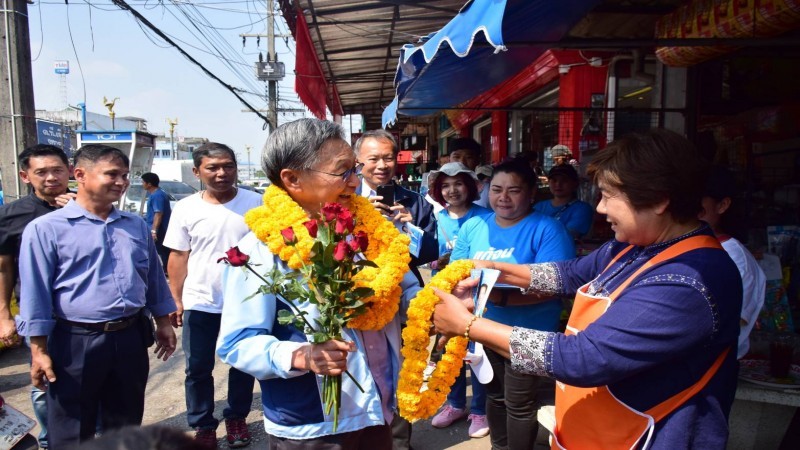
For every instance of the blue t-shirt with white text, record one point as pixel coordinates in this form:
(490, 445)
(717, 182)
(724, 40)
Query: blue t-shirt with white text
(534, 239)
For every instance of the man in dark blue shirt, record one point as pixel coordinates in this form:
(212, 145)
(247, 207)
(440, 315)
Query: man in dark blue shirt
(45, 168)
(158, 213)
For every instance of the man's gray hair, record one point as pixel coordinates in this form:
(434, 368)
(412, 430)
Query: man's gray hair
(295, 145)
(378, 135)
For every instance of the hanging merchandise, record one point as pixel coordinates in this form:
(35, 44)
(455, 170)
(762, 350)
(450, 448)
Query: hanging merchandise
(722, 19)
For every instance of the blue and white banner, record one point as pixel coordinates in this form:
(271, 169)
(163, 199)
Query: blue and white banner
(53, 133)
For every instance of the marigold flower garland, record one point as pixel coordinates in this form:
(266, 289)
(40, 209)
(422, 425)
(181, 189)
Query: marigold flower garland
(413, 404)
(388, 249)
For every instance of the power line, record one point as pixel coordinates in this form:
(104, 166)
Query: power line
(125, 6)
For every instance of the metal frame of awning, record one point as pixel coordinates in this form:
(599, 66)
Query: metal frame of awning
(358, 43)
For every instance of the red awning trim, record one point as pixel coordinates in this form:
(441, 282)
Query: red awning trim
(309, 82)
(334, 102)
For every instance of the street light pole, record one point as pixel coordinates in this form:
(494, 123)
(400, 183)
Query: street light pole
(249, 167)
(172, 124)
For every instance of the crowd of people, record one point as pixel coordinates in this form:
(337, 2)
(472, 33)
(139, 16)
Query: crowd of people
(654, 306)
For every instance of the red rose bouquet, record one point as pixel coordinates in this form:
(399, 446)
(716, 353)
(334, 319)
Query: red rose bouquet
(326, 282)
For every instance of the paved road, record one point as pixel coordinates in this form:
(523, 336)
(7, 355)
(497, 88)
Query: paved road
(165, 403)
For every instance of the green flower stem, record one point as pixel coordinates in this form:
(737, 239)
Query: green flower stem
(297, 312)
(291, 305)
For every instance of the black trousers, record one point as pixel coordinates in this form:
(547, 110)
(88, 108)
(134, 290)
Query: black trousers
(378, 437)
(511, 406)
(94, 370)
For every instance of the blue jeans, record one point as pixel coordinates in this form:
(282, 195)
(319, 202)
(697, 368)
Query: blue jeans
(457, 398)
(200, 330)
(39, 402)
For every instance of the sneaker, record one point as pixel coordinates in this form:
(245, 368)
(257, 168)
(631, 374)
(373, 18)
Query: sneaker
(447, 416)
(206, 437)
(238, 435)
(426, 374)
(479, 426)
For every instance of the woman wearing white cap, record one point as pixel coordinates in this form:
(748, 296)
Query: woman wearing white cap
(456, 188)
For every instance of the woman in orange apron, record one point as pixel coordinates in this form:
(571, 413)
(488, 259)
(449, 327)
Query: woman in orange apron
(648, 356)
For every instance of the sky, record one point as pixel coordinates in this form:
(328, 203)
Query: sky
(112, 56)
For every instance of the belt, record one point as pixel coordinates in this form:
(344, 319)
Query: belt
(111, 325)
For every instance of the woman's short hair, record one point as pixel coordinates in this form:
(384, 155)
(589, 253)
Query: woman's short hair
(653, 166)
(519, 168)
(295, 145)
(469, 182)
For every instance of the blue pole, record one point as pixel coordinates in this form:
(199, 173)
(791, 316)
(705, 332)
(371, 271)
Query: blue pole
(83, 115)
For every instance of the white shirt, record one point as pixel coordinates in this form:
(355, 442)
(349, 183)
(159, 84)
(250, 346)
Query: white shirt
(754, 285)
(207, 231)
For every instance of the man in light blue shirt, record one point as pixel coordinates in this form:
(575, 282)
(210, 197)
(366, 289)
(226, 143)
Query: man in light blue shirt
(83, 303)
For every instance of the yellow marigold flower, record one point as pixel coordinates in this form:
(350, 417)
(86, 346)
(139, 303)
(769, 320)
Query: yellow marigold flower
(413, 404)
(388, 248)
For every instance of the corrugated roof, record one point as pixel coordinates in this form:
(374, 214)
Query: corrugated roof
(358, 43)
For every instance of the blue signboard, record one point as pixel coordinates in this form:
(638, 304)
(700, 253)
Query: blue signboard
(53, 133)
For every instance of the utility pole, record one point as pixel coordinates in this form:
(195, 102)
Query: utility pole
(17, 111)
(270, 71)
(272, 85)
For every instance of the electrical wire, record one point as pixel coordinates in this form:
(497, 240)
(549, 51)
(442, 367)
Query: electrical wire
(215, 41)
(75, 52)
(41, 35)
(91, 28)
(125, 6)
(208, 36)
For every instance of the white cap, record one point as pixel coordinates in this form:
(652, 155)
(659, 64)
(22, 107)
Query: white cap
(485, 169)
(452, 169)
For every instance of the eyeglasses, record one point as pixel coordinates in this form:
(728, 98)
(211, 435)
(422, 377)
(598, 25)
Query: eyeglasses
(344, 175)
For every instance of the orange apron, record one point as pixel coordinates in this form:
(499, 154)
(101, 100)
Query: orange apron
(592, 418)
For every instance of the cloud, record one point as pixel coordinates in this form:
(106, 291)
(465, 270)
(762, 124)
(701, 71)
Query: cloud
(103, 68)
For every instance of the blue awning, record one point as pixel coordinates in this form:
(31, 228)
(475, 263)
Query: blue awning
(469, 56)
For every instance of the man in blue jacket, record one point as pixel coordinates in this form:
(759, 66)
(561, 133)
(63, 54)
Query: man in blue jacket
(377, 151)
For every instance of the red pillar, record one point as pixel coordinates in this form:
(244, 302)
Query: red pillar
(499, 136)
(575, 91)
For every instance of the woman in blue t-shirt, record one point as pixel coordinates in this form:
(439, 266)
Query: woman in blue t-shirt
(514, 233)
(456, 188)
